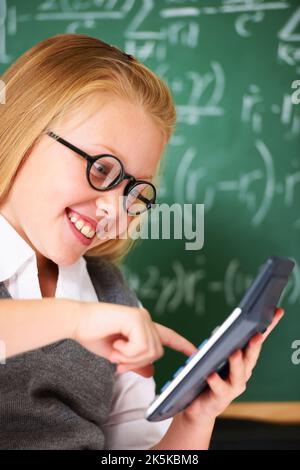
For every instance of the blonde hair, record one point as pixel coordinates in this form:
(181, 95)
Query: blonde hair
(50, 80)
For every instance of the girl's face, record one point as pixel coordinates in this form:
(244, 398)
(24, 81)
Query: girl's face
(52, 178)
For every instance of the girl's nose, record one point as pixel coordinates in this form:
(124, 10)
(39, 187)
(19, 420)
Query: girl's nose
(110, 210)
(112, 201)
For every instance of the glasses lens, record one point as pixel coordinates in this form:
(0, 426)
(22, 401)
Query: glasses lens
(139, 198)
(105, 172)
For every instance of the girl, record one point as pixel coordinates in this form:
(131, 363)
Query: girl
(84, 126)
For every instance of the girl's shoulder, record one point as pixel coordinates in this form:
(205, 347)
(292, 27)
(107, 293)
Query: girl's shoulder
(109, 281)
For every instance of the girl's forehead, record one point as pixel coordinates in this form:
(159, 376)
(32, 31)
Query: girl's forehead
(125, 129)
(110, 118)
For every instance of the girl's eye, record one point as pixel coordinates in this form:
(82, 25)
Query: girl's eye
(99, 169)
(105, 172)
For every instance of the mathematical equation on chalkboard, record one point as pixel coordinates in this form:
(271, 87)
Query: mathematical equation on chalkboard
(186, 287)
(255, 190)
(179, 22)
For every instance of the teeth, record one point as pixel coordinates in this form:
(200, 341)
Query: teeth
(91, 234)
(79, 224)
(86, 230)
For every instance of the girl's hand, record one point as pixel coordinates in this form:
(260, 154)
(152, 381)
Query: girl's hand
(221, 393)
(126, 335)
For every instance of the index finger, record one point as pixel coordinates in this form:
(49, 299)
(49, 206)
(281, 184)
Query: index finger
(170, 338)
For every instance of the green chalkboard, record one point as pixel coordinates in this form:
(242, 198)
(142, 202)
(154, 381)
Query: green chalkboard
(230, 65)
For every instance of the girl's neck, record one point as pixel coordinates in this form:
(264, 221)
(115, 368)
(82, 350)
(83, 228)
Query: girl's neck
(48, 275)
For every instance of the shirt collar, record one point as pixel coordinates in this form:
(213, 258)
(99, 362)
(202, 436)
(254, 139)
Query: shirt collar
(14, 250)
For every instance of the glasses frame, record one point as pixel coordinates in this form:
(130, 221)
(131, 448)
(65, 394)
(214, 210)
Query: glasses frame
(123, 175)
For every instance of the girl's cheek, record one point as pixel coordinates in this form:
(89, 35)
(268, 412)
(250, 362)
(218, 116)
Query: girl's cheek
(72, 191)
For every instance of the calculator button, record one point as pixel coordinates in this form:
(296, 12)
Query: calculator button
(196, 352)
(191, 357)
(178, 371)
(165, 386)
(202, 344)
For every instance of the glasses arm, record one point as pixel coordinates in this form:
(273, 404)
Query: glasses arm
(69, 145)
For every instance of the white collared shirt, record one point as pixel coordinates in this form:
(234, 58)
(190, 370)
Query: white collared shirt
(126, 427)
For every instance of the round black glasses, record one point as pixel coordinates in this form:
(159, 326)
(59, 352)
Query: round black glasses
(106, 171)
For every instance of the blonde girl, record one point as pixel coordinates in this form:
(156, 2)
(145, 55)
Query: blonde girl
(84, 127)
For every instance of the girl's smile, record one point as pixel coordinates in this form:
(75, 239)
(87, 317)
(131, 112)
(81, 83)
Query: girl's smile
(82, 226)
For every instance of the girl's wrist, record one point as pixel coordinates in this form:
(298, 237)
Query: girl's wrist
(75, 311)
(192, 433)
(192, 419)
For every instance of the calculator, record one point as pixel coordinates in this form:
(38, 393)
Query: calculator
(253, 314)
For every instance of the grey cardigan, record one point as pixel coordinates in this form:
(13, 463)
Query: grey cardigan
(60, 395)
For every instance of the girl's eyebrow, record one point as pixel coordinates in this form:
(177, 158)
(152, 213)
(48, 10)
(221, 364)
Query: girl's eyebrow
(117, 154)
